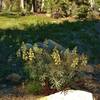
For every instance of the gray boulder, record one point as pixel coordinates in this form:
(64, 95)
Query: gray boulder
(48, 45)
(52, 44)
(71, 95)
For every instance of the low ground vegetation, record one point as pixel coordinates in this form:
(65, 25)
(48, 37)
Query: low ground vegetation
(36, 65)
(58, 71)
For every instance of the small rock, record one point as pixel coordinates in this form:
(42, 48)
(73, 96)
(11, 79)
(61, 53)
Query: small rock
(13, 77)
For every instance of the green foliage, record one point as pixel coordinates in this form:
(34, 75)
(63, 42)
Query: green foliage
(33, 87)
(60, 7)
(97, 3)
(11, 5)
(64, 71)
(37, 28)
(57, 8)
(65, 7)
(16, 6)
(82, 11)
(59, 71)
(49, 5)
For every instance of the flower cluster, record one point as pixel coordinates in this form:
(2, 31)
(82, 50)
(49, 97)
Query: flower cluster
(56, 56)
(27, 54)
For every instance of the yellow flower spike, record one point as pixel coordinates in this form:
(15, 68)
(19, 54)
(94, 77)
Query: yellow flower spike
(56, 56)
(31, 54)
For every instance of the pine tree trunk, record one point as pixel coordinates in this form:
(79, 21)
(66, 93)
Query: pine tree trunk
(22, 4)
(0, 5)
(3, 5)
(92, 3)
(32, 8)
(34, 5)
(42, 5)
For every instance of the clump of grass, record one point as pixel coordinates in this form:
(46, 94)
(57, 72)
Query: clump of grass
(33, 87)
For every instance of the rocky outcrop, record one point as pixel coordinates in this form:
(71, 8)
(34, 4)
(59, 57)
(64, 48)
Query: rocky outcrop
(72, 95)
(49, 45)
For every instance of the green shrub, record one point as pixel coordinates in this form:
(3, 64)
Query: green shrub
(59, 69)
(64, 6)
(82, 11)
(58, 8)
(65, 70)
(49, 6)
(33, 87)
(97, 3)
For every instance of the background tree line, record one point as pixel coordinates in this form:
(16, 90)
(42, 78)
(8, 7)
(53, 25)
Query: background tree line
(60, 7)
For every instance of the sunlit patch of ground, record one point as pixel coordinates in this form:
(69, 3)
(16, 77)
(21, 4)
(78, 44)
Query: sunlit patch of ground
(29, 97)
(21, 22)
